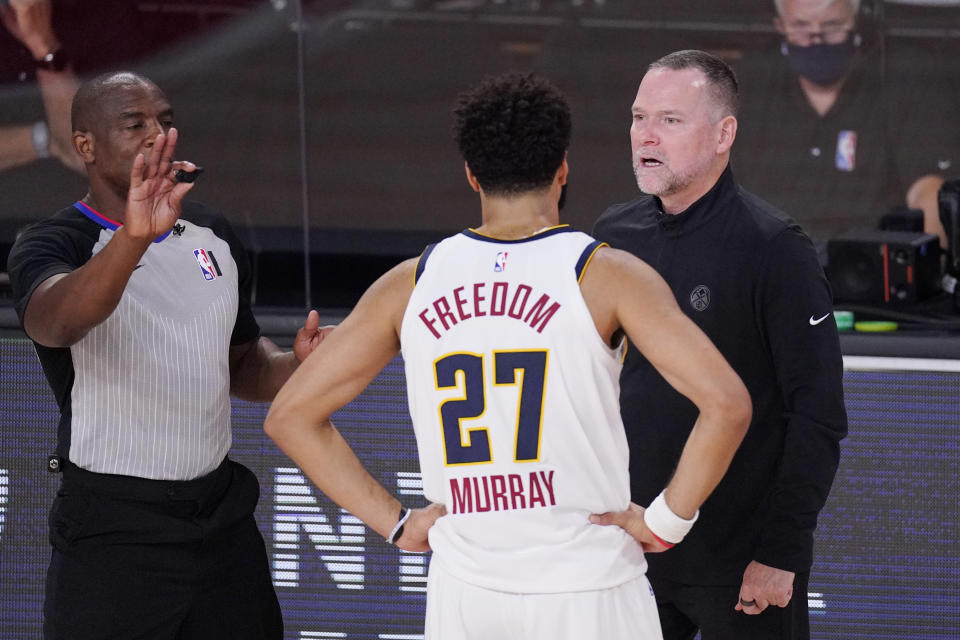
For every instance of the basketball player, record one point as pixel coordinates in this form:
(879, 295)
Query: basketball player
(512, 339)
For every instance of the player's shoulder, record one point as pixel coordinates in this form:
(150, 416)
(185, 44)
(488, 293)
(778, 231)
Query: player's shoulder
(406, 269)
(615, 269)
(387, 298)
(396, 283)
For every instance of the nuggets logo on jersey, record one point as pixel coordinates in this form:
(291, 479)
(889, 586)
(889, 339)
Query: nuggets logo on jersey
(208, 264)
(500, 264)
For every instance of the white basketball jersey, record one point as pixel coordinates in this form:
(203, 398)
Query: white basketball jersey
(514, 400)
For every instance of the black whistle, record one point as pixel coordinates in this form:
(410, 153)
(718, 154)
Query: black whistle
(181, 175)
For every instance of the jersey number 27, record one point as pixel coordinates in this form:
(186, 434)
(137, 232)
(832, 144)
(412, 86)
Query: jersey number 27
(526, 369)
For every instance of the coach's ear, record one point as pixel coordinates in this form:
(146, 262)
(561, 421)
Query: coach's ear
(726, 134)
(472, 179)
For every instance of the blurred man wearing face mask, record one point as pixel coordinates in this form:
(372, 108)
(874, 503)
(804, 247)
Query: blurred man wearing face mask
(832, 137)
(820, 43)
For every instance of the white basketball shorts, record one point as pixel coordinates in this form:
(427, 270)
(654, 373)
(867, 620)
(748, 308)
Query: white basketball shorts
(457, 610)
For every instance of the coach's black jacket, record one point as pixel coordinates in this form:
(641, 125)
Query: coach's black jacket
(750, 279)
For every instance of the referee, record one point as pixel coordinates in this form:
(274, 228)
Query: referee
(137, 302)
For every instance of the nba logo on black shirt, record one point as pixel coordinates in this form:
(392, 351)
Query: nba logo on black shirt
(208, 264)
(846, 150)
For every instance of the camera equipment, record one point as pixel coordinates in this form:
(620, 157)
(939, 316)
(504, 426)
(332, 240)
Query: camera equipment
(883, 267)
(902, 218)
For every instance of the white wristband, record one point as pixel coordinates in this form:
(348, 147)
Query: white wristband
(40, 136)
(664, 523)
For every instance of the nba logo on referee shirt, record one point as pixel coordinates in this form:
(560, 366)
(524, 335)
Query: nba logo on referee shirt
(500, 264)
(846, 159)
(208, 264)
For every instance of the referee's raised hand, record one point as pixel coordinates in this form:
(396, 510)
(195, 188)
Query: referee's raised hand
(155, 197)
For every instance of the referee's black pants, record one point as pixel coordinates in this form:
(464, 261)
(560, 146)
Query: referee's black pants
(686, 609)
(149, 559)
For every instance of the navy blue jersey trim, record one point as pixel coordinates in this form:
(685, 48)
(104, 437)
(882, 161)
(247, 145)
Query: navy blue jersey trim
(422, 262)
(586, 256)
(562, 228)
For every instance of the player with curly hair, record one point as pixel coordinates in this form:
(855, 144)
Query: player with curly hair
(512, 335)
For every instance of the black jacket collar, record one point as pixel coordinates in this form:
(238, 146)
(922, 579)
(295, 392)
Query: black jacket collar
(712, 203)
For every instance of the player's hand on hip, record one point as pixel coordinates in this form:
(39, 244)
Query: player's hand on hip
(417, 527)
(310, 335)
(631, 520)
(155, 197)
(764, 586)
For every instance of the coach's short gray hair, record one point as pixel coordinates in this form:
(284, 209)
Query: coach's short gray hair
(724, 88)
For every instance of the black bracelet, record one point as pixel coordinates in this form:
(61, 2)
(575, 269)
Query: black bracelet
(398, 528)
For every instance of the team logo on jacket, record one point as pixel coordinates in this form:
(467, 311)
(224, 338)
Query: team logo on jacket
(500, 264)
(700, 297)
(208, 264)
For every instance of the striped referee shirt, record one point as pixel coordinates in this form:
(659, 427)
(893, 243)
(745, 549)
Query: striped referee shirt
(145, 393)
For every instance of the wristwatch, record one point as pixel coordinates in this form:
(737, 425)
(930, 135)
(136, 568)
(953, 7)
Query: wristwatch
(56, 60)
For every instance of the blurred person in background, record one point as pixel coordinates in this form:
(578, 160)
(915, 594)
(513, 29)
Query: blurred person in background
(29, 21)
(837, 135)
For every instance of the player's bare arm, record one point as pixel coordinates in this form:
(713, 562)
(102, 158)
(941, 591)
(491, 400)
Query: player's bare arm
(624, 293)
(333, 375)
(64, 307)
